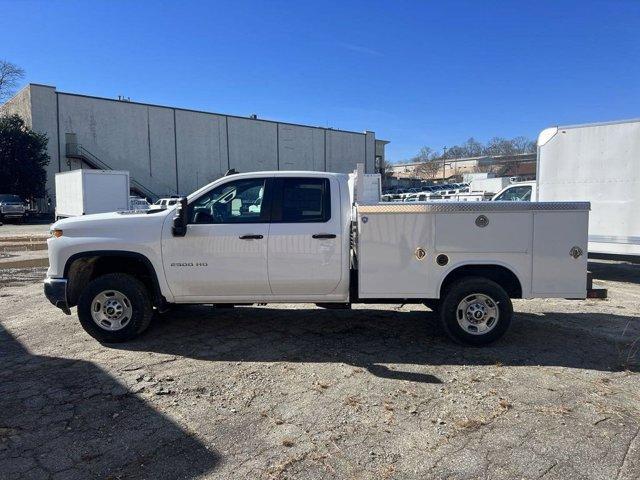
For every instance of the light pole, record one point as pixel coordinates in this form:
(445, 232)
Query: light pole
(444, 156)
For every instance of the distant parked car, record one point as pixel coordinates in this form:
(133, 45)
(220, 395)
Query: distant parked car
(416, 197)
(166, 202)
(138, 203)
(12, 207)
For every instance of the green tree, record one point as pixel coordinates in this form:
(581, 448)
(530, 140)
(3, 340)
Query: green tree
(23, 156)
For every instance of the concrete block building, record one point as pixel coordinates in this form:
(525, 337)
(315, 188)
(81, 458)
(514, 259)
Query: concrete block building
(174, 151)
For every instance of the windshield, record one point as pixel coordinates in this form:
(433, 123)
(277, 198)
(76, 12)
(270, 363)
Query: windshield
(516, 194)
(10, 198)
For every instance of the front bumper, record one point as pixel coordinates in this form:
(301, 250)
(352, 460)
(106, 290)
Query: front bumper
(55, 289)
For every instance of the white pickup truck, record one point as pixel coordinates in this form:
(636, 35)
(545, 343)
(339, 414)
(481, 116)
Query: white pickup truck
(269, 237)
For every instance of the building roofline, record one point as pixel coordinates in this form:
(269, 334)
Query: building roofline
(41, 85)
(94, 97)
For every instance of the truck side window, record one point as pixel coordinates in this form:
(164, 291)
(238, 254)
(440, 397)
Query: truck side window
(305, 200)
(238, 201)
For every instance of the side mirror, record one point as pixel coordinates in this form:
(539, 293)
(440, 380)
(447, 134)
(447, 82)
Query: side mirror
(180, 219)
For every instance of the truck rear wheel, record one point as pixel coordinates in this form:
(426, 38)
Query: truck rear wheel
(115, 308)
(475, 311)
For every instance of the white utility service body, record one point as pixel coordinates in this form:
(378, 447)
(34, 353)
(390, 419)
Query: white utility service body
(533, 240)
(301, 237)
(599, 163)
(88, 191)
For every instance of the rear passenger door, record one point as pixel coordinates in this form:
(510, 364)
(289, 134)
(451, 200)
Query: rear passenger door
(305, 237)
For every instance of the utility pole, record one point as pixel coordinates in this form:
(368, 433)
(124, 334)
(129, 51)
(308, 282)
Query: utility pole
(444, 156)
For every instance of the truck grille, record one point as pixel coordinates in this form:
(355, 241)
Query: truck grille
(12, 209)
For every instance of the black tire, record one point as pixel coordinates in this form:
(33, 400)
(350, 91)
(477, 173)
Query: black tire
(467, 287)
(135, 292)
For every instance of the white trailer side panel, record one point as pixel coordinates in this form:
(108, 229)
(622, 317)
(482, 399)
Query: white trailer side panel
(598, 163)
(105, 191)
(489, 185)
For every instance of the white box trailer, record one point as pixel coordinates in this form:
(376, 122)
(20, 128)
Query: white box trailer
(599, 163)
(84, 191)
(489, 185)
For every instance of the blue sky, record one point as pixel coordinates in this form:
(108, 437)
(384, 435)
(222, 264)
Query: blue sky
(416, 73)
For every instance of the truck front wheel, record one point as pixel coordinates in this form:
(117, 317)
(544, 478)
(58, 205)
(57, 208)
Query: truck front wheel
(114, 308)
(475, 311)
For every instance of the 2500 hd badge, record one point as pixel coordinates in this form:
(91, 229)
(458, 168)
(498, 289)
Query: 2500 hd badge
(189, 264)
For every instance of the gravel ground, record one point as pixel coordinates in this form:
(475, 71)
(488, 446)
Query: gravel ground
(9, 230)
(292, 391)
(22, 247)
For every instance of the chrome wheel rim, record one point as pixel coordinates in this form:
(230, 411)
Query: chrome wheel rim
(477, 314)
(111, 310)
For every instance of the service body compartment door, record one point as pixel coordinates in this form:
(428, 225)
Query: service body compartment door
(390, 261)
(505, 232)
(560, 253)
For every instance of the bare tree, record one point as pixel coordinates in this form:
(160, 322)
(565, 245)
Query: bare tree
(10, 76)
(432, 161)
(428, 169)
(523, 145)
(425, 154)
(428, 166)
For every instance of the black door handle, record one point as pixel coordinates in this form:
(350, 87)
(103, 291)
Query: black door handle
(324, 235)
(250, 237)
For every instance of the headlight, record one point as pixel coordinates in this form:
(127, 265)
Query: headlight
(56, 232)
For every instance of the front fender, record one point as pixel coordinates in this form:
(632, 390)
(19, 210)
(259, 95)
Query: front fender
(63, 251)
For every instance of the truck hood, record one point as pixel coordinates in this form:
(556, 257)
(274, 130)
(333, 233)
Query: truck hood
(112, 224)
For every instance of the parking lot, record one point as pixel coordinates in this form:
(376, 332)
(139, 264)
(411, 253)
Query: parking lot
(295, 391)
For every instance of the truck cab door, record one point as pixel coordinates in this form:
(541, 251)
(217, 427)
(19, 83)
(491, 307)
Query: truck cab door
(223, 255)
(305, 238)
